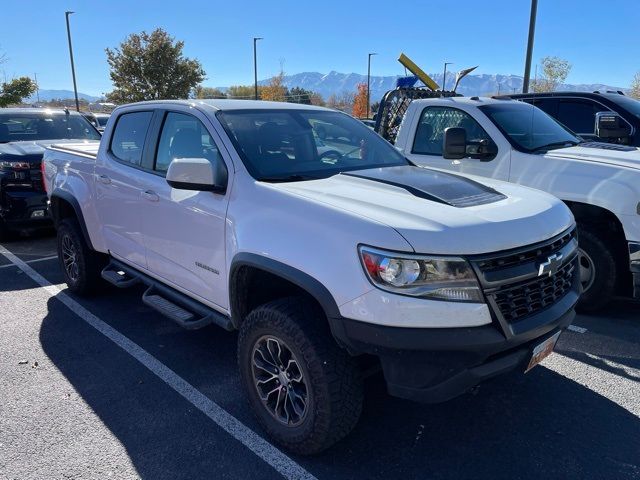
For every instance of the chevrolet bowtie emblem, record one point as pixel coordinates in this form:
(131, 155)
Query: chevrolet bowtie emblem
(550, 267)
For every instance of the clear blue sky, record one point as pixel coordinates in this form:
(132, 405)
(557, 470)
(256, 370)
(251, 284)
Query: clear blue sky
(600, 38)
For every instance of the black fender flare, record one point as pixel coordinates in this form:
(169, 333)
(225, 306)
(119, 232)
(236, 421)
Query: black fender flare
(303, 280)
(71, 200)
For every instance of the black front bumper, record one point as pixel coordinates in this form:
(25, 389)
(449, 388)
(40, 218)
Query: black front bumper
(18, 207)
(436, 364)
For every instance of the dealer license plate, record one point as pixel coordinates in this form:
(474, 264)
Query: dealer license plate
(542, 351)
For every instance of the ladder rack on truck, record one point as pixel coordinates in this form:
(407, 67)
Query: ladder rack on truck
(394, 105)
(395, 102)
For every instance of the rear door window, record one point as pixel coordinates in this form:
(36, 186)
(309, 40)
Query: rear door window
(127, 142)
(547, 105)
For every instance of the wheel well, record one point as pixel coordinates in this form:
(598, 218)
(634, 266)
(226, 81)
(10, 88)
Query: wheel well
(251, 287)
(605, 225)
(61, 209)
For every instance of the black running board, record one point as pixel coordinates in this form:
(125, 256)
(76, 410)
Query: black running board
(118, 277)
(182, 309)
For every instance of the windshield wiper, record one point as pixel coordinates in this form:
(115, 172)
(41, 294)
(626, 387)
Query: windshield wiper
(551, 146)
(288, 178)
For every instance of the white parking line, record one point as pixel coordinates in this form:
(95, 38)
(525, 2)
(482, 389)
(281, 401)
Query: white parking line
(287, 467)
(35, 260)
(577, 329)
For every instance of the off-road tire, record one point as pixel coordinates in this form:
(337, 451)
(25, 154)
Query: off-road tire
(335, 393)
(89, 262)
(601, 252)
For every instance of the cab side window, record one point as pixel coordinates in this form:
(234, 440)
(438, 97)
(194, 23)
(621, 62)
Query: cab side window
(434, 121)
(184, 136)
(579, 115)
(127, 141)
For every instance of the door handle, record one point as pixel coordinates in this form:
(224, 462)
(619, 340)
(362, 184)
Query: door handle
(104, 179)
(150, 195)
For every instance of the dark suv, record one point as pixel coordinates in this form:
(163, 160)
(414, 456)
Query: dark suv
(580, 111)
(24, 134)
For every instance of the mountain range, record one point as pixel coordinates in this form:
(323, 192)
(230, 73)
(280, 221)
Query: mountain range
(47, 95)
(336, 83)
(482, 84)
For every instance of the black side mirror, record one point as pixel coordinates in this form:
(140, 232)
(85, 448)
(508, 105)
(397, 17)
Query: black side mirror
(454, 143)
(610, 125)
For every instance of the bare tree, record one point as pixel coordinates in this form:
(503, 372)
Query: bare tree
(554, 72)
(635, 86)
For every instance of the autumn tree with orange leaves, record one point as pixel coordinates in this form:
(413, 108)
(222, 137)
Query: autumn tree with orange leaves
(275, 90)
(360, 101)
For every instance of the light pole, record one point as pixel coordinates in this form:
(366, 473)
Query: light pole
(532, 31)
(73, 69)
(255, 67)
(35, 76)
(444, 75)
(369, 82)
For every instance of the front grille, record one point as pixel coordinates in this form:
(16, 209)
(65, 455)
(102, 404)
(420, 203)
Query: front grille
(512, 282)
(521, 257)
(521, 300)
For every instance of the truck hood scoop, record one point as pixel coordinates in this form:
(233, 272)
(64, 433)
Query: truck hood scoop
(436, 186)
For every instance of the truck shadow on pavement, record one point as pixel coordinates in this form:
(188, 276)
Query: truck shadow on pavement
(513, 427)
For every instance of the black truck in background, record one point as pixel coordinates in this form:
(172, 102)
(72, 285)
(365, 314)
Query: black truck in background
(24, 135)
(609, 116)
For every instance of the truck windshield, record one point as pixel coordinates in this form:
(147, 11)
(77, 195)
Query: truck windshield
(292, 145)
(629, 104)
(528, 128)
(16, 127)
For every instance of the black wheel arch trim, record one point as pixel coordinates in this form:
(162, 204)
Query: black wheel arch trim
(303, 280)
(71, 200)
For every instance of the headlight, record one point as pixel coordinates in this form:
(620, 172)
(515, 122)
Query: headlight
(438, 278)
(16, 165)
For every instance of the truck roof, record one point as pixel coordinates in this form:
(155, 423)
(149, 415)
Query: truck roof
(464, 100)
(227, 104)
(613, 95)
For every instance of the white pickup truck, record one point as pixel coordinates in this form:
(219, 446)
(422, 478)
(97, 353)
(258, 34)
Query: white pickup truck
(326, 256)
(513, 141)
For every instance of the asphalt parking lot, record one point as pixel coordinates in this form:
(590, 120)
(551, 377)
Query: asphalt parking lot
(106, 388)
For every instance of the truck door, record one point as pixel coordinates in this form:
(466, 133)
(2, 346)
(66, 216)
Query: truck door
(426, 148)
(185, 229)
(119, 188)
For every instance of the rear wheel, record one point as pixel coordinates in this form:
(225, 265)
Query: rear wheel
(80, 265)
(598, 270)
(305, 391)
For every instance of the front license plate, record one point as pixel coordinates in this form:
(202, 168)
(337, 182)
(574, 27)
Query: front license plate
(542, 351)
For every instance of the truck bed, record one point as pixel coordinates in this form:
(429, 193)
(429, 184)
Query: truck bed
(85, 149)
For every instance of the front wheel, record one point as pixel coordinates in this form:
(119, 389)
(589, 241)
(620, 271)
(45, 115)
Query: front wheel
(598, 270)
(305, 391)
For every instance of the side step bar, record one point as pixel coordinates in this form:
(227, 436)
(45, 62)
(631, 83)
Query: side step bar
(185, 311)
(118, 277)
